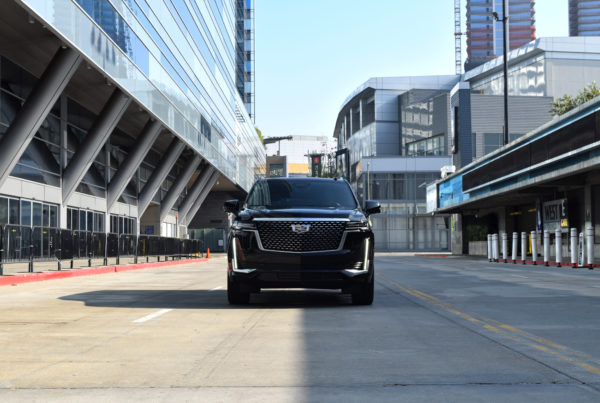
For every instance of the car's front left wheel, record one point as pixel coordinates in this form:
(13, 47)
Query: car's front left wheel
(234, 294)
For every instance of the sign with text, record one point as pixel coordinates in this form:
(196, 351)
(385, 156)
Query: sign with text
(555, 215)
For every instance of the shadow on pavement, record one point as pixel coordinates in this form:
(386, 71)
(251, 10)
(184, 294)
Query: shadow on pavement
(205, 299)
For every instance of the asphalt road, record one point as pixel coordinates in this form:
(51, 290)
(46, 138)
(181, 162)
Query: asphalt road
(441, 329)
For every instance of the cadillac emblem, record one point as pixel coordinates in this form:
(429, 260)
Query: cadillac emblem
(300, 228)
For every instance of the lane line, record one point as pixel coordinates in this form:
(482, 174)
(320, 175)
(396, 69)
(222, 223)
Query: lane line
(516, 275)
(216, 288)
(505, 330)
(152, 316)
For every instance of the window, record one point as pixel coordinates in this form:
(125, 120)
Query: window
(3, 211)
(122, 225)
(37, 214)
(25, 213)
(491, 142)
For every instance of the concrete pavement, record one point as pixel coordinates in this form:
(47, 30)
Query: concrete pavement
(441, 329)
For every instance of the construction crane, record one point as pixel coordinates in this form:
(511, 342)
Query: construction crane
(270, 140)
(457, 38)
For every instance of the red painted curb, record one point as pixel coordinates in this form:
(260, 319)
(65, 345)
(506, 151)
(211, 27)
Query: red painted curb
(54, 275)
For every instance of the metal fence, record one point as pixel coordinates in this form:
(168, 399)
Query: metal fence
(22, 244)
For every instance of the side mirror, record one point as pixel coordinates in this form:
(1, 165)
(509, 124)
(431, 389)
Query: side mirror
(231, 206)
(372, 207)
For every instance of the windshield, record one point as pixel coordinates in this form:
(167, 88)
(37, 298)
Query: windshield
(283, 194)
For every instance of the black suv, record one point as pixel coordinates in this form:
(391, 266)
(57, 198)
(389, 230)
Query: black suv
(300, 233)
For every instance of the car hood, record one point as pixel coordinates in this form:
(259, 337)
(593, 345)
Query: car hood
(353, 215)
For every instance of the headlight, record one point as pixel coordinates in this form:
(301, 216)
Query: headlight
(243, 226)
(357, 226)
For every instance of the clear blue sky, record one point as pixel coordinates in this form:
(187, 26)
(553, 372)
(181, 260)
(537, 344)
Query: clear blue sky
(310, 54)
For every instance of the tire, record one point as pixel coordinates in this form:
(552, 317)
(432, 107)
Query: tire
(234, 295)
(365, 295)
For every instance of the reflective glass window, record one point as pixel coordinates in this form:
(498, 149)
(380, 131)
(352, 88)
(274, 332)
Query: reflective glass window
(37, 214)
(54, 217)
(25, 212)
(81, 220)
(3, 211)
(13, 211)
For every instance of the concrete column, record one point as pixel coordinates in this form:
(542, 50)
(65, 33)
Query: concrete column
(159, 175)
(93, 142)
(36, 108)
(133, 161)
(360, 113)
(351, 125)
(167, 203)
(588, 205)
(195, 191)
(198, 203)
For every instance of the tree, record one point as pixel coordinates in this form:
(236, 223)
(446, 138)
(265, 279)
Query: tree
(259, 134)
(565, 103)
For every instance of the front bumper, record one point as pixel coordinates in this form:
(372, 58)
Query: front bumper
(345, 269)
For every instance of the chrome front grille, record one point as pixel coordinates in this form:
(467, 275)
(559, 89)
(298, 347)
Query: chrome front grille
(321, 236)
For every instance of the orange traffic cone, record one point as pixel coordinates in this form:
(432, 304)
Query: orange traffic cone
(207, 253)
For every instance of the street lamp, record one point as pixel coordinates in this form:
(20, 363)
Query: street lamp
(504, 21)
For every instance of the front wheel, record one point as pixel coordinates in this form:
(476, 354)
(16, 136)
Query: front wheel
(234, 295)
(364, 295)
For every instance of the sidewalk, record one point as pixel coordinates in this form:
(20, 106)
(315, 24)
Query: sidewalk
(17, 273)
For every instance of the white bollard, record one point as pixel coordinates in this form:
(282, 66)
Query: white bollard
(505, 246)
(523, 247)
(546, 247)
(496, 247)
(490, 247)
(589, 244)
(534, 246)
(515, 245)
(574, 247)
(558, 246)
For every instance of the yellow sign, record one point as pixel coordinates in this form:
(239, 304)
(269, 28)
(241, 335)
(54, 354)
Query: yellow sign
(564, 223)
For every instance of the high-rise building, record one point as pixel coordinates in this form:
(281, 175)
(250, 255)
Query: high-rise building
(245, 53)
(485, 35)
(584, 17)
(123, 117)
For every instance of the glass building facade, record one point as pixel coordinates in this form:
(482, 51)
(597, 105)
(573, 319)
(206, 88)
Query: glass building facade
(485, 35)
(177, 58)
(392, 141)
(584, 17)
(175, 62)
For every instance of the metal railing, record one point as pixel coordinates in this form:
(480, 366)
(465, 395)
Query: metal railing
(23, 244)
